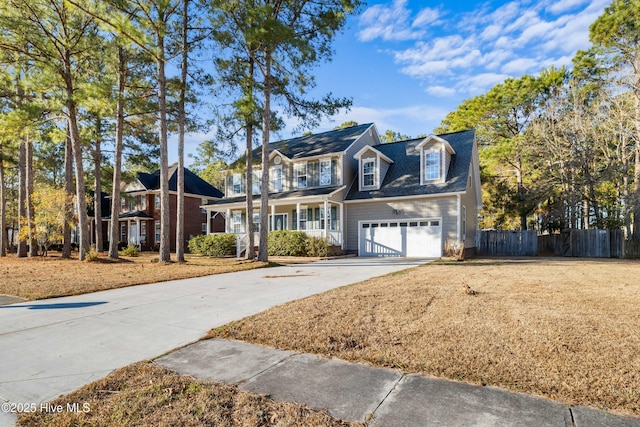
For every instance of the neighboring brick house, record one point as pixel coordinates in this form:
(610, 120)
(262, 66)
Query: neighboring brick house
(407, 198)
(139, 220)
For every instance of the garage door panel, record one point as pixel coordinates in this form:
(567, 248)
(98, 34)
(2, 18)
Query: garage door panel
(411, 238)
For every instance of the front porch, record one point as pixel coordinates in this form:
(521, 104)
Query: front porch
(317, 218)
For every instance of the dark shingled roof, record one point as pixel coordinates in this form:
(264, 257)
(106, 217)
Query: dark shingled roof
(403, 176)
(333, 141)
(131, 215)
(281, 195)
(193, 184)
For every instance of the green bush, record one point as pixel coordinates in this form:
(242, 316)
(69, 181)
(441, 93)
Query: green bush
(216, 245)
(131, 250)
(318, 246)
(287, 243)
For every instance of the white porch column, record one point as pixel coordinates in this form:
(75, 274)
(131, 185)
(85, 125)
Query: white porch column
(139, 230)
(298, 216)
(208, 215)
(326, 218)
(342, 233)
(227, 222)
(128, 232)
(273, 217)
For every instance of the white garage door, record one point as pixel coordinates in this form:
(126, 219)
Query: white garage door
(413, 238)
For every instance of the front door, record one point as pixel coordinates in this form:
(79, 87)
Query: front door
(133, 234)
(280, 221)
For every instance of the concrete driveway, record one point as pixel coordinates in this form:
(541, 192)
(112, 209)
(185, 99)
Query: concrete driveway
(52, 347)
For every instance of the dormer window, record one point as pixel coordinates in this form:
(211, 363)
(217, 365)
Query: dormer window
(236, 183)
(431, 165)
(276, 174)
(368, 172)
(301, 175)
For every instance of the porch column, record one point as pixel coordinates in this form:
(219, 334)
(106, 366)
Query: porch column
(227, 222)
(342, 234)
(326, 218)
(128, 232)
(298, 216)
(273, 217)
(139, 230)
(208, 215)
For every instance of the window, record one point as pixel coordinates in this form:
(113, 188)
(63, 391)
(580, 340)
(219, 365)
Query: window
(368, 172)
(143, 231)
(303, 218)
(277, 178)
(301, 175)
(256, 222)
(143, 202)
(204, 228)
(256, 181)
(325, 172)
(123, 204)
(236, 222)
(431, 165)
(157, 232)
(156, 202)
(236, 183)
(203, 202)
(123, 232)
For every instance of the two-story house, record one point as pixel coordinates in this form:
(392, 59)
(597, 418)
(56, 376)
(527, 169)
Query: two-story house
(406, 198)
(139, 220)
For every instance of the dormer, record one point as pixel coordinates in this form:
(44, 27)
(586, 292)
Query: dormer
(435, 158)
(372, 168)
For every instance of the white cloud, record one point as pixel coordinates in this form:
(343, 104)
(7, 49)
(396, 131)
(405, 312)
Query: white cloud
(441, 91)
(558, 7)
(395, 23)
(520, 66)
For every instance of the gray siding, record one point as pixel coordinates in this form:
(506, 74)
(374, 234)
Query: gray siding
(440, 207)
(349, 164)
(384, 167)
(468, 200)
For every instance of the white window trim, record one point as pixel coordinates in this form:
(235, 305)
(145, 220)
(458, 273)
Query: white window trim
(157, 231)
(156, 201)
(143, 231)
(423, 165)
(143, 202)
(325, 161)
(233, 183)
(297, 168)
(256, 181)
(303, 208)
(235, 223)
(276, 173)
(376, 168)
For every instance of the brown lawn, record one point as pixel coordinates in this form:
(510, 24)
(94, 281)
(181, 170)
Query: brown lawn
(566, 329)
(51, 276)
(144, 394)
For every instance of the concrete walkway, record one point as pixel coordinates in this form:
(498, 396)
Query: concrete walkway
(381, 397)
(52, 347)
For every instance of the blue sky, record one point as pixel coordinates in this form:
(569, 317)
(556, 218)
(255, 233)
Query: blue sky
(407, 63)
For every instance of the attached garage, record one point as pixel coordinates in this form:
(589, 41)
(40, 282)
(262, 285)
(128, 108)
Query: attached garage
(418, 238)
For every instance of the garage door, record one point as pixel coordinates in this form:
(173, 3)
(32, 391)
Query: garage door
(414, 238)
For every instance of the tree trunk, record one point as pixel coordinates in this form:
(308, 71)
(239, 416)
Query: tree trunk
(165, 249)
(22, 196)
(4, 241)
(76, 147)
(251, 250)
(636, 193)
(181, 125)
(97, 198)
(68, 188)
(31, 216)
(263, 250)
(117, 161)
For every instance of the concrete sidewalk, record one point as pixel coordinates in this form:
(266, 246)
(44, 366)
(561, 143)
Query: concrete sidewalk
(381, 397)
(54, 346)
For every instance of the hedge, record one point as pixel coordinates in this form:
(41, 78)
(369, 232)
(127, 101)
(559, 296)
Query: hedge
(296, 243)
(216, 245)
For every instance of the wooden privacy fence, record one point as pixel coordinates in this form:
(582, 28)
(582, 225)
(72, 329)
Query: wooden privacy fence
(585, 243)
(508, 243)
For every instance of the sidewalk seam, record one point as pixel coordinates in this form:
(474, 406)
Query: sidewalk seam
(369, 417)
(573, 421)
(279, 362)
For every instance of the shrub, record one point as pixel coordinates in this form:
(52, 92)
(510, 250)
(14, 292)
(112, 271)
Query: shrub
(216, 245)
(318, 246)
(287, 243)
(92, 255)
(131, 250)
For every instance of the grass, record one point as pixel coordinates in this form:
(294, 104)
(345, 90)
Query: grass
(565, 329)
(52, 276)
(144, 394)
